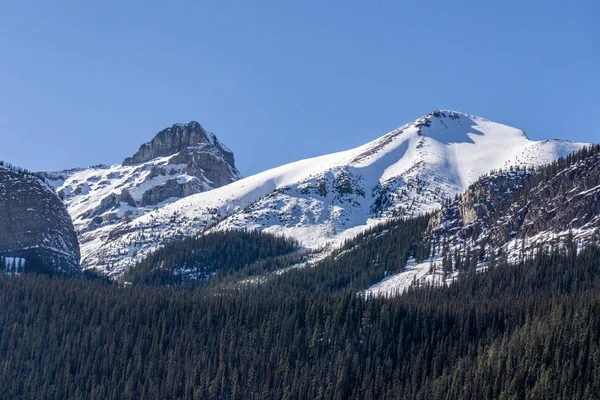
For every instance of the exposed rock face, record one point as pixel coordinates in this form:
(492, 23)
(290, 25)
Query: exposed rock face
(477, 210)
(200, 152)
(179, 161)
(525, 208)
(568, 200)
(35, 225)
(173, 188)
(194, 146)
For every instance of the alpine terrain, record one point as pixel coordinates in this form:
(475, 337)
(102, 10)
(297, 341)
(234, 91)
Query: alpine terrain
(179, 161)
(508, 215)
(444, 256)
(124, 212)
(36, 232)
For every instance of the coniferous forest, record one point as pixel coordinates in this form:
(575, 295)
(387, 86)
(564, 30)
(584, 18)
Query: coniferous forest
(196, 259)
(528, 330)
(214, 200)
(237, 315)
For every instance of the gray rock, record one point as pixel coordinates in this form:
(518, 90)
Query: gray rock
(523, 204)
(200, 153)
(35, 225)
(178, 137)
(170, 189)
(179, 161)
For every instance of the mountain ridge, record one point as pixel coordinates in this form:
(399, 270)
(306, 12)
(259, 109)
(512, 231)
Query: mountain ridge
(324, 200)
(179, 161)
(509, 214)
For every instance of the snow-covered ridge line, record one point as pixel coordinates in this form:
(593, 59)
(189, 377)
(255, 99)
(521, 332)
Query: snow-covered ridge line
(509, 215)
(324, 200)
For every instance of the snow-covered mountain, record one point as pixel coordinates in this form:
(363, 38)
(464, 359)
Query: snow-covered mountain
(179, 161)
(322, 201)
(509, 214)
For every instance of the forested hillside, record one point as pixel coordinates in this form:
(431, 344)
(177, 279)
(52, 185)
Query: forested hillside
(516, 331)
(520, 327)
(502, 215)
(196, 259)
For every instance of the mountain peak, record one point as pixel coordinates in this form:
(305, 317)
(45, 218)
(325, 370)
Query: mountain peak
(319, 201)
(451, 115)
(179, 161)
(449, 126)
(176, 138)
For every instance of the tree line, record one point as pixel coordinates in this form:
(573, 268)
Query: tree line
(515, 331)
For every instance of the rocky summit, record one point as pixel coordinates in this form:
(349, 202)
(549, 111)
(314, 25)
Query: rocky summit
(36, 232)
(179, 161)
(203, 154)
(321, 201)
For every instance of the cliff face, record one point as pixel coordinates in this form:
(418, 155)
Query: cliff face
(177, 162)
(475, 213)
(191, 145)
(35, 227)
(570, 199)
(525, 208)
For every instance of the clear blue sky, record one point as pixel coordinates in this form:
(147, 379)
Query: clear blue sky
(87, 82)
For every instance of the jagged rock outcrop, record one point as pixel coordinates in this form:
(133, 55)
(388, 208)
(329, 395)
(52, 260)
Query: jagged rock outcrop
(35, 227)
(192, 145)
(567, 199)
(325, 200)
(476, 210)
(179, 161)
(171, 189)
(525, 208)
(189, 145)
(170, 141)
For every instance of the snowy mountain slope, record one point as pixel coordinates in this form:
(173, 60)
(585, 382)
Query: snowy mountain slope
(179, 161)
(106, 194)
(324, 200)
(510, 214)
